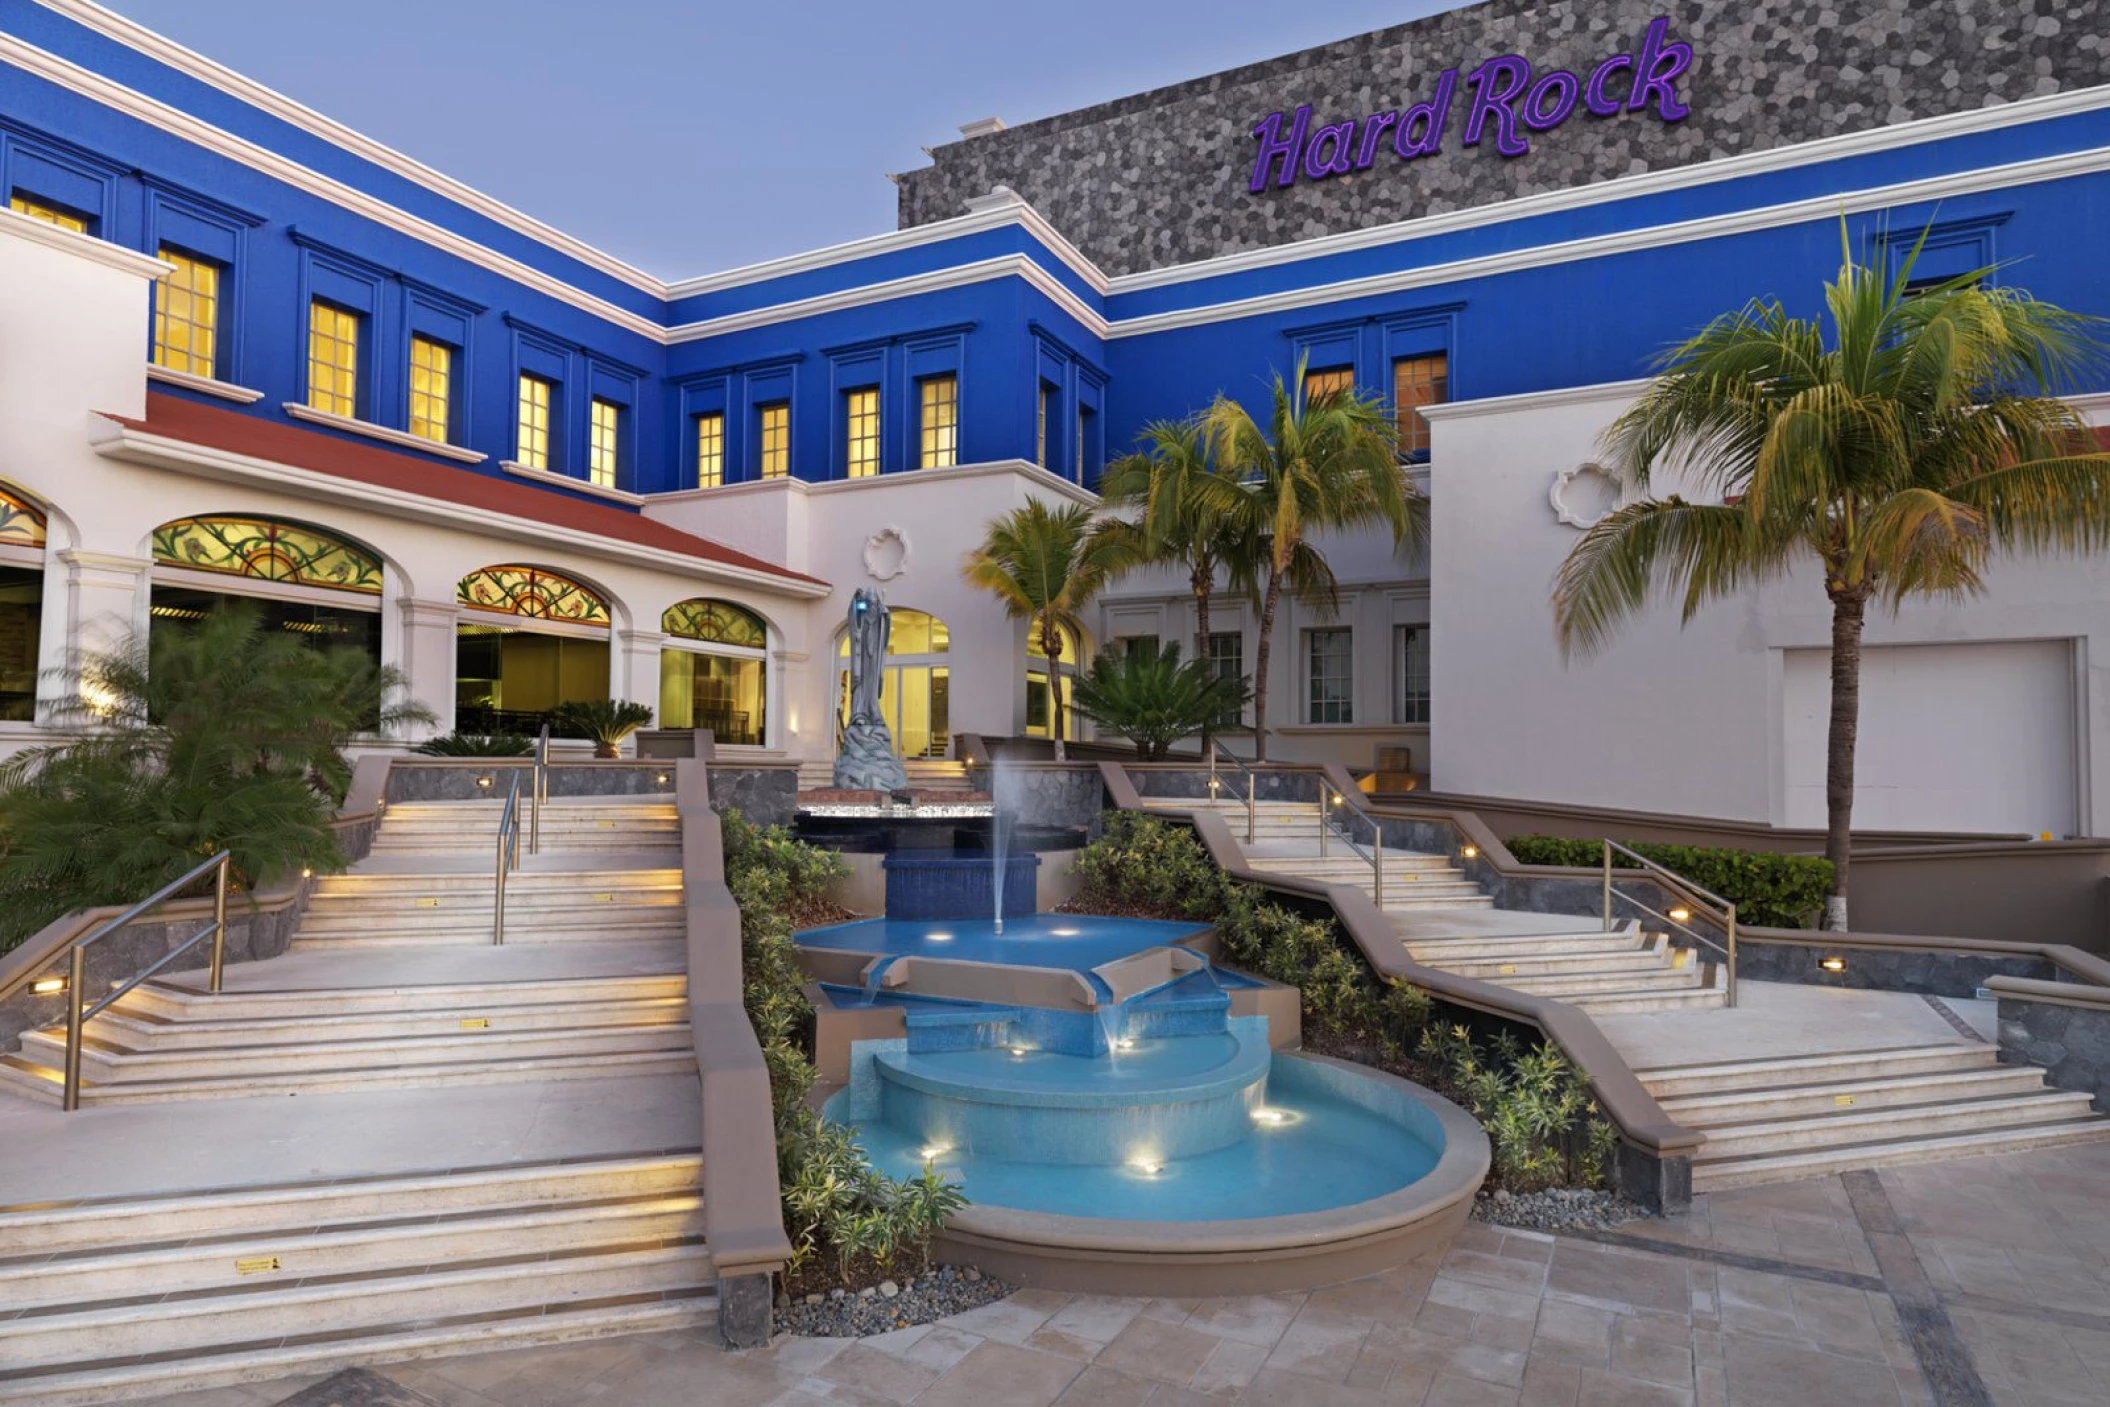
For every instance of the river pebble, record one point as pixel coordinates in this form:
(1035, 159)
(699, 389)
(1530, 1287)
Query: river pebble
(873, 1310)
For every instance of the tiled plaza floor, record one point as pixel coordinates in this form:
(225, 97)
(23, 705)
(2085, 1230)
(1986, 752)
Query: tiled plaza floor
(1981, 1281)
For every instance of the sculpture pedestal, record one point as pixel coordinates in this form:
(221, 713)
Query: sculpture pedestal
(867, 761)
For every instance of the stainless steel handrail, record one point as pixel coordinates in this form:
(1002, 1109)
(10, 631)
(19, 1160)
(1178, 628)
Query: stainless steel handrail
(1374, 856)
(508, 858)
(1215, 785)
(79, 1015)
(1707, 901)
(539, 792)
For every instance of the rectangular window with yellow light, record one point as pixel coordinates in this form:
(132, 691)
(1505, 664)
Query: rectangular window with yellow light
(604, 443)
(710, 450)
(531, 439)
(431, 390)
(187, 315)
(333, 359)
(861, 417)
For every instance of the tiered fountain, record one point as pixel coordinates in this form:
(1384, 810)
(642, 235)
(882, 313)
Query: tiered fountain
(1124, 1114)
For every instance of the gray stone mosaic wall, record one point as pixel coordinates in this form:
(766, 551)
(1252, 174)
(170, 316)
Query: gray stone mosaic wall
(2072, 1043)
(1161, 178)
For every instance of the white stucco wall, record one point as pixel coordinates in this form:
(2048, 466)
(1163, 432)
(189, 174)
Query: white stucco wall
(1687, 720)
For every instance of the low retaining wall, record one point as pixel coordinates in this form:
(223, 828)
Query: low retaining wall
(2062, 1026)
(1957, 971)
(764, 793)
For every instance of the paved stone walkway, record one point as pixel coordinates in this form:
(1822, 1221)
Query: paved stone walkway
(1980, 1281)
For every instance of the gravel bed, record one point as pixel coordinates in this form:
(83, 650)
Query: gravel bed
(1556, 1209)
(889, 1305)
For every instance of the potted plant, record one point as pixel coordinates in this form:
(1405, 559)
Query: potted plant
(606, 721)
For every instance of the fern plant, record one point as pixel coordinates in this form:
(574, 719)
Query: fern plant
(476, 745)
(1145, 694)
(604, 722)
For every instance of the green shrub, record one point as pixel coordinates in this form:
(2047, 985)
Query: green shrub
(842, 1214)
(1769, 890)
(476, 745)
(1545, 1129)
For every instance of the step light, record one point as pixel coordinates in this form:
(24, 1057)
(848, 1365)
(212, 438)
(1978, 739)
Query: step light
(1832, 964)
(47, 986)
(1681, 914)
(1469, 851)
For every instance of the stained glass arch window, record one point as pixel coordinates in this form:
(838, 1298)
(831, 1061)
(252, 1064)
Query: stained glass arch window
(534, 592)
(268, 550)
(715, 622)
(22, 523)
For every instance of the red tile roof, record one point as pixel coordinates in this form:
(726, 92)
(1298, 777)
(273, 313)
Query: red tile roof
(319, 451)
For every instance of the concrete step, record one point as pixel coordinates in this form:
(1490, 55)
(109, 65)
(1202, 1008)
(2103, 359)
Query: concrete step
(523, 885)
(1398, 863)
(1791, 1071)
(62, 1228)
(1556, 964)
(518, 932)
(43, 1082)
(1626, 1003)
(1848, 1126)
(123, 1027)
(173, 1000)
(1409, 902)
(412, 1239)
(588, 906)
(1586, 984)
(1716, 1174)
(1752, 1105)
(107, 1059)
(121, 1329)
(265, 1360)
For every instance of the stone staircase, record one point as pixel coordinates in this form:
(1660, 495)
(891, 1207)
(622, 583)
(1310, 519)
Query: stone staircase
(1626, 970)
(1787, 1117)
(391, 1004)
(1286, 841)
(154, 1295)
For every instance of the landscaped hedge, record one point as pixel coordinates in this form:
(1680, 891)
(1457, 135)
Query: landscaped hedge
(1769, 890)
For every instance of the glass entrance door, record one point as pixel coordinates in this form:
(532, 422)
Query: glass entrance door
(917, 705)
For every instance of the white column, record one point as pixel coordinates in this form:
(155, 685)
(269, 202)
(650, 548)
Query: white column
(100, 604)
(636, 672)
(425, 655)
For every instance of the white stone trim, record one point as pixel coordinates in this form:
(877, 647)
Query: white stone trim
(1535, 400)
(117, 441)
(86, 246)
(1035, 476)
(14, 554)
(535, 625)
(566, 481)
(1726, 168)
(182, 125)
(204, 385)
(959, 276)
(989, 214)
(228, 584)
(382, 432)
(1822, 207)
(195, 65)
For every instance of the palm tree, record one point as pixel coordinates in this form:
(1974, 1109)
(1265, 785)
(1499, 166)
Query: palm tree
(1327, 462)
(1184, 505)
(1900, 441)
(1046, 564)
(223, 735)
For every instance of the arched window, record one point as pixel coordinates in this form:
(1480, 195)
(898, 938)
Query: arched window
(916, 696)
(304, 579)
(714, 671)
(510, 675)
(533, 592)
(22, 540)
(268, 550)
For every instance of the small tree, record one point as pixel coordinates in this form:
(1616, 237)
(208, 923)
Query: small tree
(1898, 443)
(223, 735)
(1180, 508)
(1046, 564)
(1326, 462)
(1145, 694)
(603, 722)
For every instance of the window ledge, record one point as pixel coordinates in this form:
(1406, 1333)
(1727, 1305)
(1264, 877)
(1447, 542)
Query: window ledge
(383, 433)
(203, 385)
(566, 481)
(1349, 728)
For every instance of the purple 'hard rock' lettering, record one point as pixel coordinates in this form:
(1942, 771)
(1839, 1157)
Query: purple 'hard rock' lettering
(1421, 126)
(1659, 67)
(1505, 93)
(1496, 85)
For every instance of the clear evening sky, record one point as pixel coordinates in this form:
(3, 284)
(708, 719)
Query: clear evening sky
(689, 135)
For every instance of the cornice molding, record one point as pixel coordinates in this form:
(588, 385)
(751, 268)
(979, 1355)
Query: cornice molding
(749, 488)
(113, 440)
(99, 251)
(402, 439)
(175, 123)
(204, 385)
(1823, 207)
(1536, 400)
(960, 276)
(268, 100)
(566, 481)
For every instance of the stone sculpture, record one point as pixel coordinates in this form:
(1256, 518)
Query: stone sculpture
(866, 760)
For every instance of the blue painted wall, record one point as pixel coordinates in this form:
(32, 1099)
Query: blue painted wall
(1589, 320)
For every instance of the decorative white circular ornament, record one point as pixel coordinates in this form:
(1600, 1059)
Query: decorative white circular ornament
(1584, 495)
(886, 554)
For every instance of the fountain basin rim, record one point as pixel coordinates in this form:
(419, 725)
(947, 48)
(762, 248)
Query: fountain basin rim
(1299, 1250)
(1246, 1066)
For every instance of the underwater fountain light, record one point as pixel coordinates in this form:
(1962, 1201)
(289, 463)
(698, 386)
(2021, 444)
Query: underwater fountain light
(1018, 1052)
(939, 937)
(1146, 1166)
(1270, 1116)
(1063, 932)
(931, 1152)
(1125, 1043)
